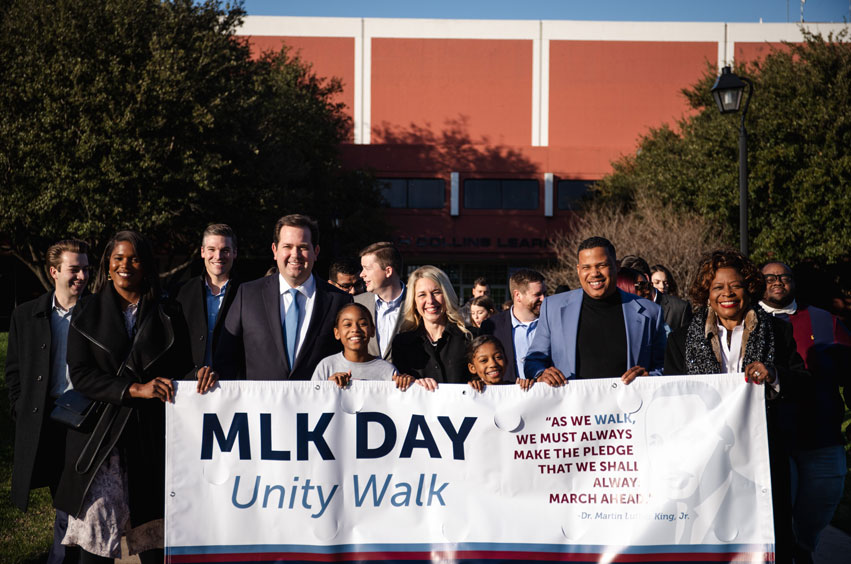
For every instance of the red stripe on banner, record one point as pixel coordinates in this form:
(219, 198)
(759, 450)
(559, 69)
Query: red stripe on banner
(474, 555)
(299, 556)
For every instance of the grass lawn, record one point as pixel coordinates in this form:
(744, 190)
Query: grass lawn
(26, 537)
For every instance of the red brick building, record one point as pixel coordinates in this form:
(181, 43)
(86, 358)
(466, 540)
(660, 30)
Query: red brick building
(484, 132)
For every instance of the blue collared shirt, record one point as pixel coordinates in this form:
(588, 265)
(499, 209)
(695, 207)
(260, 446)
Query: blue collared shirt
(522, 334)
(386, 315)
(214, 304)
(306, 299)
(60, 321)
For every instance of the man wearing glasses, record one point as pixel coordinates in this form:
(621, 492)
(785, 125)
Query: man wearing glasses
(817, 454)
(345, 275)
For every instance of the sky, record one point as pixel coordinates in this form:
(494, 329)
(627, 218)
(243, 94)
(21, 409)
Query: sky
(605, 10)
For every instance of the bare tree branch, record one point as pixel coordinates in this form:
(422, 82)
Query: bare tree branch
(655, 232)
(35, 266)
(177, 268)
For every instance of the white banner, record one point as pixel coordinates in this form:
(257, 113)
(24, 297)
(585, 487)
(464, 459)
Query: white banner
(665, 469)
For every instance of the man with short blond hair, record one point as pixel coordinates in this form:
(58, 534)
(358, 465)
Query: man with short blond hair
(381, 271)
(37, 374)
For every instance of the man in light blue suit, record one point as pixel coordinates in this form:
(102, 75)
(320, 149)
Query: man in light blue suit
(598, 331)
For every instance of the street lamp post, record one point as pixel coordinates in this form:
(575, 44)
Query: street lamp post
(727, 91)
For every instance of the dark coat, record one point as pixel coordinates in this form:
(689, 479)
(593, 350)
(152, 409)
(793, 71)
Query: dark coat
(795, 383)
(788, 363)
(251, 345)
(192, 298)
(39, 443)
(446, 362)
(499, 326)
(677, 312)
(98, 345)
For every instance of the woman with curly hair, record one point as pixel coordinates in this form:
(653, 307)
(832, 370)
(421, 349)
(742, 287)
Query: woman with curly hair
(729, 334)
(432, 342)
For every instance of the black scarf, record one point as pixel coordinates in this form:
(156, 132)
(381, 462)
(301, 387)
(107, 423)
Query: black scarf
(703, 347)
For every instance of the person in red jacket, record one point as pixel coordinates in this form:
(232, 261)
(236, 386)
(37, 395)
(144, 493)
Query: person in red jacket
(817, 456)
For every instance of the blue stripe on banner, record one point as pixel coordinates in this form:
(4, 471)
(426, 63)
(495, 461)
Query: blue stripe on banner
(477, 547)
(474, 557)
(470, 553)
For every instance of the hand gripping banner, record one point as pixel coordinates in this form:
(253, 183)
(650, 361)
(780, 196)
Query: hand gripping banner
(667, 469)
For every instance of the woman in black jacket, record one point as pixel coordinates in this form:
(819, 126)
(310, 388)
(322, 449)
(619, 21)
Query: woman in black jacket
(731, 333)
(432, 342)
(124, 349)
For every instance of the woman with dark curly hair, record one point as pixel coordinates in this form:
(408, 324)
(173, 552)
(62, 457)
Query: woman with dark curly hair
(729, 334)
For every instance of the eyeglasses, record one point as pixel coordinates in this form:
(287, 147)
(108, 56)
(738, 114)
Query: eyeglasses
(772, 278)
(642, 285)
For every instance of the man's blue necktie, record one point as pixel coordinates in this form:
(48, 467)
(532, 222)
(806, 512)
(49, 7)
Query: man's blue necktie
(291, 327)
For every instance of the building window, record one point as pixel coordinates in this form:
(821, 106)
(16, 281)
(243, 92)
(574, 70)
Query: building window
(419, 193)
(572, 192)
(484, 194)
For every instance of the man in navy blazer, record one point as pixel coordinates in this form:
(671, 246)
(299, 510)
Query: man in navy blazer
(516, 326)
(264, 338)
(597, 331)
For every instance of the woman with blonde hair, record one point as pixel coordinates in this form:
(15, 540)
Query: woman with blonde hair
(432, 342)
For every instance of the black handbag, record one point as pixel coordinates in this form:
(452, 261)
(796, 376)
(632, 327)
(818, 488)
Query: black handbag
(75, 410)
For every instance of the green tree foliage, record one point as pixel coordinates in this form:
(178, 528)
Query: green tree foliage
(152, 115)
(799, 155)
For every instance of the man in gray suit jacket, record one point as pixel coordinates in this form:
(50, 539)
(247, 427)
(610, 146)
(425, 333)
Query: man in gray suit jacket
(384, 296)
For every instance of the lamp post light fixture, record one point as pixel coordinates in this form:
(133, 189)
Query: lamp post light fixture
(728, 91)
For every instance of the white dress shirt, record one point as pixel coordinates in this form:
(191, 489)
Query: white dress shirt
(307, 298)
(732, 355)
(60, 321)
(386, 315)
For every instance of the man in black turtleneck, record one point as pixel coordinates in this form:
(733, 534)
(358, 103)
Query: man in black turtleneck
(597, 331)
